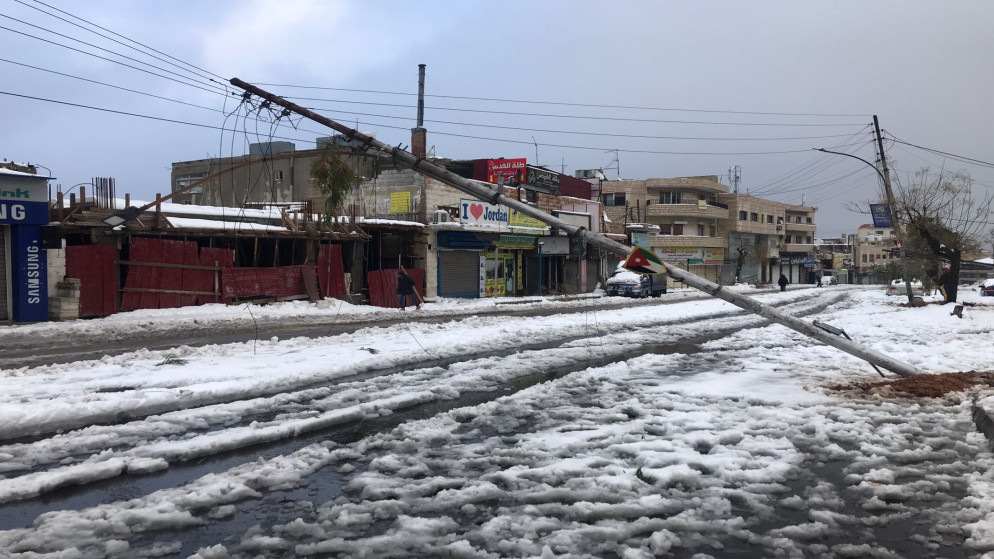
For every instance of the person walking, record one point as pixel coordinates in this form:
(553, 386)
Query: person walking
(405, 291)
(944, 284)
(783, 281)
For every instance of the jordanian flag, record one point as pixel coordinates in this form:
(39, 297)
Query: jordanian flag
(644, 261)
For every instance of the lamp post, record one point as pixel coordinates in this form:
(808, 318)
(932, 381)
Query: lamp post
(890, 204)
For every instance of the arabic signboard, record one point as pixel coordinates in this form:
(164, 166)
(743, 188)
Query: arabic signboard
(499, 171)
(881, 215)
(542, 179)
(518, 219)
(400, 202)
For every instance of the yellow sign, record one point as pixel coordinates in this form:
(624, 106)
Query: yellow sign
(400, 202)
(518, 219)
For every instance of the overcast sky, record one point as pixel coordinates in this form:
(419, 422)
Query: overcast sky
(754, 84)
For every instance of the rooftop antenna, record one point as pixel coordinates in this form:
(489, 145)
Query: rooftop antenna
(616, 162)
(735, 177)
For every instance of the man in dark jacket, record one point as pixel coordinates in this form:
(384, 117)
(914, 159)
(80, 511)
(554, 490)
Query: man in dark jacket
(783, 281)
(944, 285)
(405, 290)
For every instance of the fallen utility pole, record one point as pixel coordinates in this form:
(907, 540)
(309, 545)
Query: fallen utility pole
(494, 196)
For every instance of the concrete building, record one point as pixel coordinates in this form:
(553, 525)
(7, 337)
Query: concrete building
(874, 249)
(697, 224)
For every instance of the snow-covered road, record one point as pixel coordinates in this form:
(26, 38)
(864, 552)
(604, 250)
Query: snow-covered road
(662, 430)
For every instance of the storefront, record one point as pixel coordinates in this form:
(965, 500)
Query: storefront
(459, 262)
(23, 262)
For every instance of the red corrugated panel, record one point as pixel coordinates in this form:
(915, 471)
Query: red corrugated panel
(170, 252)
(243, 283)
(383, 286)
(94, 266)
(331, 272)
(191, 278)
(222, 257)
(142, 277)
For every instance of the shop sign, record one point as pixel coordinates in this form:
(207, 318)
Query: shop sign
(23, 213)
(30, 270)
(641, 240)
(475, 212)
(542, 179)
(505, 169)
(681, 255)
(837, 260)
(400, 202)
(809, 262)
(714, 255)
(518, 219)
(516, 242)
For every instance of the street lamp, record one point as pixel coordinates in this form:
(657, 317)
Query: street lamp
(890, 204)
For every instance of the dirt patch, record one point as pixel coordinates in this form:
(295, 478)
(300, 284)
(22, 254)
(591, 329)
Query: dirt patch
(919, 386)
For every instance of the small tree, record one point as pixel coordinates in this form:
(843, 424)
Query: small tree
(943, 218)
(335, 179)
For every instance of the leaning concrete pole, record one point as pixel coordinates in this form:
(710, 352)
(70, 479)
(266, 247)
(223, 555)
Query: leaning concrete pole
(494, 196)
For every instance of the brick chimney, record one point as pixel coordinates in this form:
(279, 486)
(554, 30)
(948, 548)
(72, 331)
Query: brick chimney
(419, 136)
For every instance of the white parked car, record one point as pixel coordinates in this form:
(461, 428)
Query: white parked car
(897, 287)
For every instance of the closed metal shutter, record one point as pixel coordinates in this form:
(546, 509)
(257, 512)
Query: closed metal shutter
(4, 310)
(458, 273)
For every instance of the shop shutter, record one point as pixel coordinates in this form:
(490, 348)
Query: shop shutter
(4, 311)
(458, 273)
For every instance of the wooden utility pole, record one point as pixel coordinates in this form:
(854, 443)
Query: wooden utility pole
(493, 195)
(894, 221)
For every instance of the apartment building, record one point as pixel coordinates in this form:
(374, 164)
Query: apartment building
(697, 224)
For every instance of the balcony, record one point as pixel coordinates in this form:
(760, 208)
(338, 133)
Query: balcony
(799, 226)
(710, 211)
(794, 247)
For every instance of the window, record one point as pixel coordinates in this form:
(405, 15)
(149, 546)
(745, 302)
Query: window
(714, 231)
(670, 198)
(183, 181)
(864, 259)
(753, 216)
(769, 219)
(678, 229)
(742, 216)
(700, 230)
(277, 175)
(798, 239)
(808, 220)
(613, 199)
(808, 240)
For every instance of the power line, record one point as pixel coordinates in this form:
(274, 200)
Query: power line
(579, 133)
(64, 36)
(947, 154)
(579, 117)
(201, 87)
(113, 39)
(567, 104)
(102, 109)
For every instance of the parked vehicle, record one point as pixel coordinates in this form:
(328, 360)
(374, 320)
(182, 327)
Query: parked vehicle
(897, 287)
(986, 287)
(825, 281)
(629, 284)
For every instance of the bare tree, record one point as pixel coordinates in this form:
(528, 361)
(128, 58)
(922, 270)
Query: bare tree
(944, 218)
